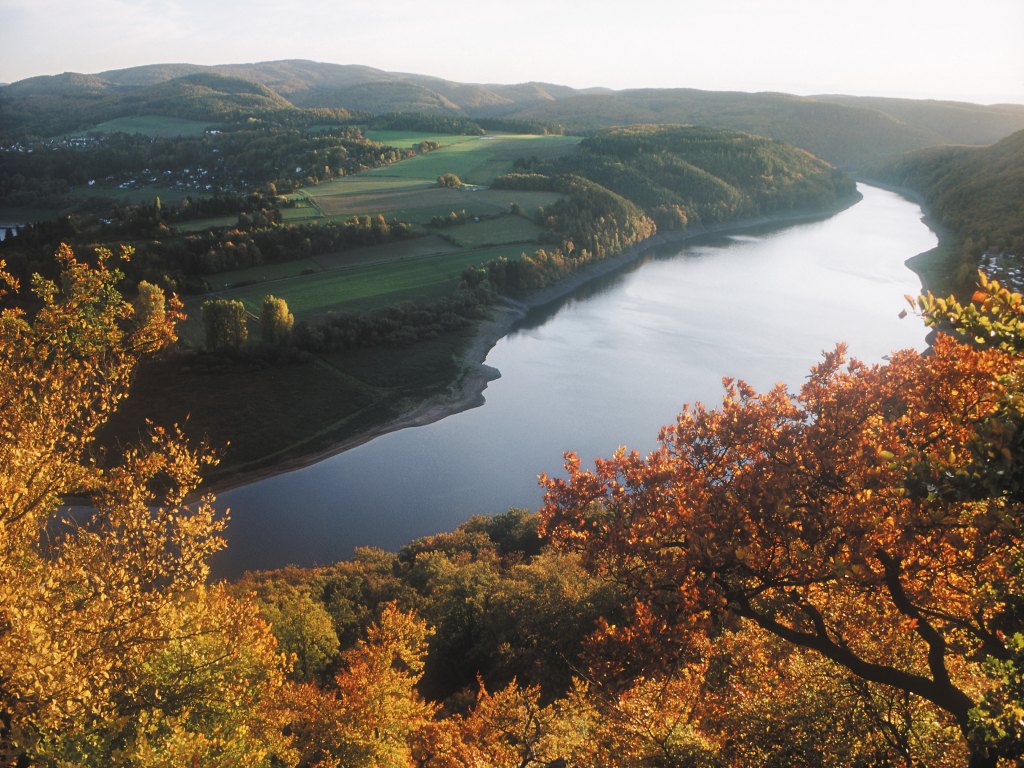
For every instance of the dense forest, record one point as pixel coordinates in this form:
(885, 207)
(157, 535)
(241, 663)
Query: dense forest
(686, 175)
(976, 192)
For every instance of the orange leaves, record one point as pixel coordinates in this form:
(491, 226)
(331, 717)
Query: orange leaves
(378, 706)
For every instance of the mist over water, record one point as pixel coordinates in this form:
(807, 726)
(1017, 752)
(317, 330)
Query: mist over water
(607, 367)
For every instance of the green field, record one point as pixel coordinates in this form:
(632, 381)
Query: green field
(153, 125)
(408, 190)
(421, 206)
(422, 269)
(199, 225)
(498, 231)
(408, 139)
(479, 159)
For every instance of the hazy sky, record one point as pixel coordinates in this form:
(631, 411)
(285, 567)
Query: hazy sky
(947, 49)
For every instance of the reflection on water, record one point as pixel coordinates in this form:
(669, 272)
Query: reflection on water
(608, 366)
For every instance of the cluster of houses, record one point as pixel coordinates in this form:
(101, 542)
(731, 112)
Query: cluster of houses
(65, 142)
(191, 179)
(1004, 266)
(199, 179)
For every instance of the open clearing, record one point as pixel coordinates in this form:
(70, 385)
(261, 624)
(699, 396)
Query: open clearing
(479, 159)
(411, 185)
(421, 270)
(407, 139)
(499, 231)
(421, 206)
(199, 225)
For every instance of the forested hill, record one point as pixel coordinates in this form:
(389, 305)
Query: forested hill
(847, 131)
(977, 192)
(683, 175)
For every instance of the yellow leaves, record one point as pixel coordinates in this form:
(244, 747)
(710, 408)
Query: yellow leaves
(108, 624)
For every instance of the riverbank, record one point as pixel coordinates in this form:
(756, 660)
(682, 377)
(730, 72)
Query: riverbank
(467, 390)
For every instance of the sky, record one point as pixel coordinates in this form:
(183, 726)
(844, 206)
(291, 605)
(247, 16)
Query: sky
(927, 49)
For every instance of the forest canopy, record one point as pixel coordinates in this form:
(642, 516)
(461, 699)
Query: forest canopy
(830, 576)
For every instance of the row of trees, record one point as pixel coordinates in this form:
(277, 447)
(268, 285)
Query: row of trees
(182, 262)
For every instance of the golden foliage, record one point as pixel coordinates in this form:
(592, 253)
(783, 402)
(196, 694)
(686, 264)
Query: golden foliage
(115, 651)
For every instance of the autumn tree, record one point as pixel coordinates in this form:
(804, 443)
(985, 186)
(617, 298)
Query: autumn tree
(302, 627)
(449, 180)
(115, 649)
(226, 324)
(150, 304)
(373, 714)
(276, 321)
(851, 519)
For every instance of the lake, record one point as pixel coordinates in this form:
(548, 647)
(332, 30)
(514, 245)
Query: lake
(605, 367)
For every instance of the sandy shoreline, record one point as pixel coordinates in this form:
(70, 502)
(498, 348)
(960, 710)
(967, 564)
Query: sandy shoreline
(468, 390)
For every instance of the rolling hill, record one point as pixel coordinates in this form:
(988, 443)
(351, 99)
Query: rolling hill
(848, 131)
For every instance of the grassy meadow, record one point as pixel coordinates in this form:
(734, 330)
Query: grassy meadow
(407, 139)
(408, 190)
(425, 268)
(481, 158)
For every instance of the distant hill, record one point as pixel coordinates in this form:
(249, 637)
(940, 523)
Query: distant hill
(845, 130)
(53, 105)
(845, 136)
(150, 74)
(204, 95)
(949, 122)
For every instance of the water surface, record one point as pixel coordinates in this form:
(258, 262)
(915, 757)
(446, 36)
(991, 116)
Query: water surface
(606, 367)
